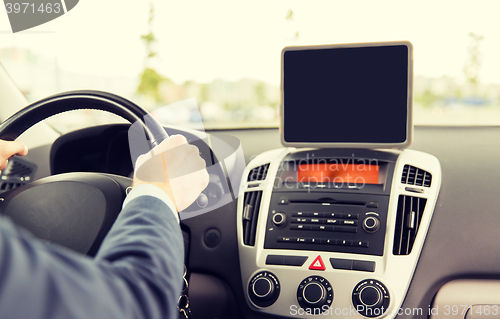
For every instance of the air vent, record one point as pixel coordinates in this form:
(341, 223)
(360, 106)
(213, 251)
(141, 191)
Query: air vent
(258, 174)
(7, 186)
(251, 209)
(416, 176)
(17, 168)
(410, 210)
(17, 173)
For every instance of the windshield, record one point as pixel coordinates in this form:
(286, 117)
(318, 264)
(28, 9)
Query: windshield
(226, 55)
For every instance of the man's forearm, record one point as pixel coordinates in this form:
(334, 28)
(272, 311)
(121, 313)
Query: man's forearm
(137, 273)
(145, 246)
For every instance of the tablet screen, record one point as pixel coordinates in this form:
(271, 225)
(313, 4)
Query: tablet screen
(346, 95)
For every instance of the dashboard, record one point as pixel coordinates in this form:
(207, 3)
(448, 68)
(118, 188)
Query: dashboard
(319, 231)
(336, 227)
(457, 262)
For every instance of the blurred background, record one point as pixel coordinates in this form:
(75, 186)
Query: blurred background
(226, 55)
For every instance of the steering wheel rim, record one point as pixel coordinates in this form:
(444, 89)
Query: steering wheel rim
(40, 110)
(51, 207)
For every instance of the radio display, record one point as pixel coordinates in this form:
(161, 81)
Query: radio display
(338, 173)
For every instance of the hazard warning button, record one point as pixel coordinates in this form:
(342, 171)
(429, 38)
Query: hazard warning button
(317, 264)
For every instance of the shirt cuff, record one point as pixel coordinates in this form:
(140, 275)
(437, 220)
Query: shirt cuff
(154, 191)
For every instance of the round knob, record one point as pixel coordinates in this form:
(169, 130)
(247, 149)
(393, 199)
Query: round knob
(314, 293)
(371, 298)
(279, 219)
(371, 224)
(264, 289)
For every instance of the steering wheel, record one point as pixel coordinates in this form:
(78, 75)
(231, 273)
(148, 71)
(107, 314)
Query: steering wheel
(75, 210)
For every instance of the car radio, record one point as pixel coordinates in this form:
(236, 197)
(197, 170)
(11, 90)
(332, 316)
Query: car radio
(327, 203)
(336, 226)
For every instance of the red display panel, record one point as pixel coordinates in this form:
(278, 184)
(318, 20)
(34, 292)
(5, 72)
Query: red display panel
(338, 173)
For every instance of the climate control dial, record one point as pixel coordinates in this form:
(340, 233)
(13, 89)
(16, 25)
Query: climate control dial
(371, 298)
(315, 293)
(264, 289)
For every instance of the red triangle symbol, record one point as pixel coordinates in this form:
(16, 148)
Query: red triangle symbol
(317, 264)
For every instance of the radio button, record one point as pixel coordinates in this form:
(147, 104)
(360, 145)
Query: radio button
(335, 186)
(372, 204)
(313, 241)
(350, 222)
(296, 220)
(300, 227)
(344, 242)
(360, 244)
(333, 215)
(345, 229)
(348, 215)
(329, 241)
(351, 216)
(302, 214)
(283, 201)
(317, 214)
(323, 227)
(332, 221)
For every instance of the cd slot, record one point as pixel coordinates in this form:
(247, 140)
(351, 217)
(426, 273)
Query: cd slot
(328, 202)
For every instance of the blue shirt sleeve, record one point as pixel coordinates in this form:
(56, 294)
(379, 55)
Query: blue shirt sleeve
(137, 272)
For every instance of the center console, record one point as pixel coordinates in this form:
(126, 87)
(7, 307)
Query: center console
(334, 248)
(333, 224)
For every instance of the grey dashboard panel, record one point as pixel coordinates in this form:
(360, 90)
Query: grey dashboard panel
(467, 298)
(463, 238)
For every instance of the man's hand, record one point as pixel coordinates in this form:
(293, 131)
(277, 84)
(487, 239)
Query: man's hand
(176, 167)
(9, 149)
